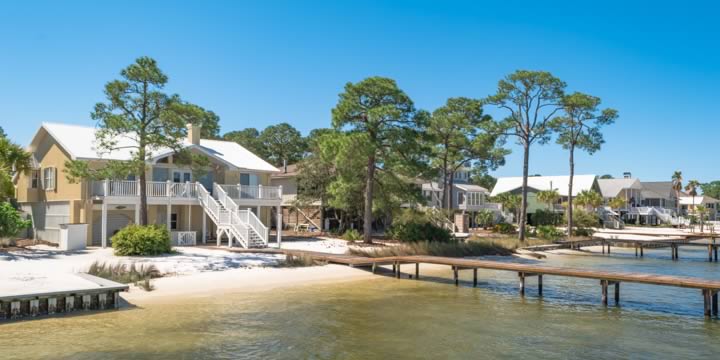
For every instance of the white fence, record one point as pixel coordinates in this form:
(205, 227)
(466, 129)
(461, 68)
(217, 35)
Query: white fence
(183, 238)
(253, 192)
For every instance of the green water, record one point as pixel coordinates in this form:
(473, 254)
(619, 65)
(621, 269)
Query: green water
(385, 318)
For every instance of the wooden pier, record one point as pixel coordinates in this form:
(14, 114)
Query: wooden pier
(709, 289)
(672, 243)
(98, 294)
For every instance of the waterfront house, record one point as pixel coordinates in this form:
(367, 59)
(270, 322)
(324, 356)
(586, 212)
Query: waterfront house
(296, 216)
(541, 183)
(688, 205)
(231, 200)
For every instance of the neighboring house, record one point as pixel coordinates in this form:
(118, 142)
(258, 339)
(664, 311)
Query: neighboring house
(541, 183)
(232, 200)
(659, 194)
(293, 216)
(688, 206)
(465, 197)
(628, 189)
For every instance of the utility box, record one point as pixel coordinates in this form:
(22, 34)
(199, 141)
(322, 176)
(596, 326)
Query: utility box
(73, 236)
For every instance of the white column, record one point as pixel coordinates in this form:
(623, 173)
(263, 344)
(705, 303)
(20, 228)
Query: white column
(189, 218)
(260, 191)
(169, 209)
(103, 220)
(278, 226)
(204, 227)
(137, 213)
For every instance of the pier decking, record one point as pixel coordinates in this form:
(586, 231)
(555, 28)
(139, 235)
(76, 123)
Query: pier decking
(708, 288)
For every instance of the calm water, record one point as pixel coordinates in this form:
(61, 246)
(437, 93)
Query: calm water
(387, 318)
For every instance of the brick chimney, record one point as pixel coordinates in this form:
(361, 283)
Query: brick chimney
(193, 134)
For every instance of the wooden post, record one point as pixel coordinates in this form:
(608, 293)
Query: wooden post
(455, 275)
(641, 251)
(715, 303)
(707, 307)
(397, 273)
(617, 293)
(374, 268)
(604, 284)
(417, 271)
(603, 246)
(522, 283)
(608, 245)
(710, 254)
(715, 247)
(540, 284)
(475, 277)
(636, 249)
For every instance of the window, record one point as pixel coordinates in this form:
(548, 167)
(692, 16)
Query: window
(49, 178)
(461, 198)
(244, 179)
(35, 179)
(173, 221)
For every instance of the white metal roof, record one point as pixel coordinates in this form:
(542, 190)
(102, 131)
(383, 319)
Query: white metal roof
(699, 200)
(539, 183)
(79, 142)
(610, 188)
(434, 186)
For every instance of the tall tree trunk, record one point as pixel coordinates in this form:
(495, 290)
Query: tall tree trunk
(523, 205)
(570, 188)
(322, 215)
(367, 225)
(143, 189)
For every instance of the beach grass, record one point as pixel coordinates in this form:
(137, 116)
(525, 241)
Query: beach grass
(300, 260)
(138, 275)
(447, 249)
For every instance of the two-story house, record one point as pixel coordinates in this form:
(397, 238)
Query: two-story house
(231, 201)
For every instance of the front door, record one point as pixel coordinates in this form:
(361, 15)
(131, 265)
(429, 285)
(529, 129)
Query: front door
(181, 177)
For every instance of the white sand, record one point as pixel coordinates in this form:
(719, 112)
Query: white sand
(327, 245)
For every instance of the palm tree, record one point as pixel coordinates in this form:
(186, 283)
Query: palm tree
(589, 198)
(510, 202)
(701, 210)
(677, 186)
(548, 197)
(691, 188)
(617, 203)
(13, 159)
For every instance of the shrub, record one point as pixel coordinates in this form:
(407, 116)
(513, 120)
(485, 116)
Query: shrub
(11, 222)
(549, 232)
(136, 240)
(485, 218)
(300, 260)
(504, 228)
(352, 235)
(584, 219)
(415, 231)
(583, 232)
(545, 217)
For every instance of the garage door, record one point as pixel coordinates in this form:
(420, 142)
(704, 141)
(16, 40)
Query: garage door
(115, 222)
(47, 217)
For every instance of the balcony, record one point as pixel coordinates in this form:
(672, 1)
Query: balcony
(164, 191)
(253, 193)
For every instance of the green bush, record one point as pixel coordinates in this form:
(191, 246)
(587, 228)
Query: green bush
(584, 219)
(583, 232)
(352, 235)
(504, 228)
(545, 217)
(11, 222)
(416, 231)
(136, 240)
(485, 218)
(549, 232)
(449, 249)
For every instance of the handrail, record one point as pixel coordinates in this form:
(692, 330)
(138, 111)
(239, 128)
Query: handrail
(245, 216)
(222, 215)
(254, 222)
(252, 191)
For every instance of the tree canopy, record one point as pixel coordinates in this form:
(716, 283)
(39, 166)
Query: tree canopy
(531, 99)
(461, 136)
(711, 189)
(137, 111)
(382, 126)
(13, 159)
(282, 142)
(248, 138)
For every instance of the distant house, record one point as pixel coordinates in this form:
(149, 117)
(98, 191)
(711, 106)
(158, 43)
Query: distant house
(295, 216)
(231, 200)
(541, 183)
(465, 198)
(688, 205)
(628, 189)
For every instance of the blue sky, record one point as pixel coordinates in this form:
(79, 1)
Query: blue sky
(265, 62)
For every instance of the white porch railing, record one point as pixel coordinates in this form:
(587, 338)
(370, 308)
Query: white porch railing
(258, 192)
(246, 217)
(154, 189)
(222, 216)
(183, 238)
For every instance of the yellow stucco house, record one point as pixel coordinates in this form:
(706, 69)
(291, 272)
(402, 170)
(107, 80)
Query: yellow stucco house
(233, 202)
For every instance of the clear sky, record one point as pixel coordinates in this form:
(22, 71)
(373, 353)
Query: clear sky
(265, 62)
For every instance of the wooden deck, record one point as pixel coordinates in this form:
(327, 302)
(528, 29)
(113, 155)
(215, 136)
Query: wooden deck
(671, 242)
(708, 288)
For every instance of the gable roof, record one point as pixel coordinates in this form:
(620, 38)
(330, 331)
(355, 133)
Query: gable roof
(80, 144)
(657, 189)
(610, 188)
(699, 200)
(540, 183)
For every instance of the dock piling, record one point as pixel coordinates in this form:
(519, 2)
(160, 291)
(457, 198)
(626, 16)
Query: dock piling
(397, 266)
(455, 275)
(521, 275)
(540, 285)
(417, 271)
(604, 285)
(475, 277)
(617, 293)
